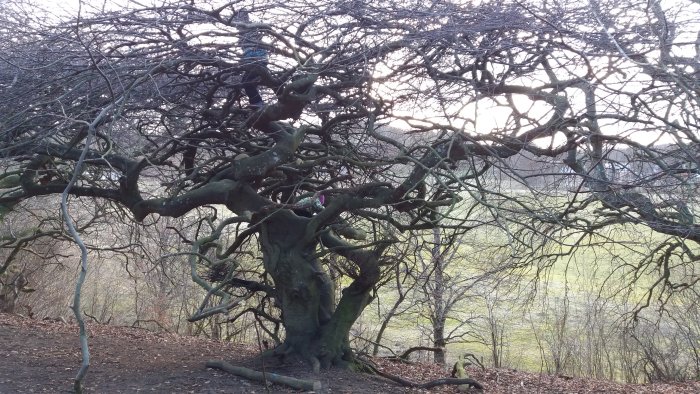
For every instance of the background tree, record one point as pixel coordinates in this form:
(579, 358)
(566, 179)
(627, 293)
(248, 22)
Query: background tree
(445, 287)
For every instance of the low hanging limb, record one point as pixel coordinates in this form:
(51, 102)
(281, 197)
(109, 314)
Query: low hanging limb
(427, 385)
(250, 374)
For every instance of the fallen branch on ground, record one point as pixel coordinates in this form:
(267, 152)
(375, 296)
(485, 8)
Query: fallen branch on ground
(426, 385)
(250, 374)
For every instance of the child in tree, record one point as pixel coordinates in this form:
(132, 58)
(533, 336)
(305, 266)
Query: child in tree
(255, 58)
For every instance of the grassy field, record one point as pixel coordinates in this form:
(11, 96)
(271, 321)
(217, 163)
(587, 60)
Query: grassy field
(565, 315)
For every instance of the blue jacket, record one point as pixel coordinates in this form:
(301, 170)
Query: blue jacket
(252, 45)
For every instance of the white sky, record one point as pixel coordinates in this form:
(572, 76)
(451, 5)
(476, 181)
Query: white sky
(483, 118)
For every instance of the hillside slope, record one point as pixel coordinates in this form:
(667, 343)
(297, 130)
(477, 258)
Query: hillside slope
(41, 356)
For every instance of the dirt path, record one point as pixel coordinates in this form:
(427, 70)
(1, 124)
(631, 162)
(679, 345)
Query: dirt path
(37, 356)
(42, 356)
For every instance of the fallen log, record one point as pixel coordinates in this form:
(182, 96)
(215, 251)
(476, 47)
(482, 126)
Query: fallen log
(251, 374)
(427, 385)
(432, 383)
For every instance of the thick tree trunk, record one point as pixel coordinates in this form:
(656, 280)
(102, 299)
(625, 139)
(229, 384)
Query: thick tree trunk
(316, 329)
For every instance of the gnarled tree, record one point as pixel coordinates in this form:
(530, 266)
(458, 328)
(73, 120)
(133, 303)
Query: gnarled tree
(393, 111)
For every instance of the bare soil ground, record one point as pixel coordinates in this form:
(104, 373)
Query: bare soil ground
(40, 356)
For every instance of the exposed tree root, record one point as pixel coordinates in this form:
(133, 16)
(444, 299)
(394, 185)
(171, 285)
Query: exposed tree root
(308, 385)
(433, 383)
(404, 356)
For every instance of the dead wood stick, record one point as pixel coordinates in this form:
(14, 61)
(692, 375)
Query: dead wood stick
(432, 383)
(426, 385)
(251, 374)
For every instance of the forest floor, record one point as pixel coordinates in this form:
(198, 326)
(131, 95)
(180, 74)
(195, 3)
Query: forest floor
(44, 356)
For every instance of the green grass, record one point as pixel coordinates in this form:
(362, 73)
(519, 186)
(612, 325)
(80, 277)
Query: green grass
(604, 271)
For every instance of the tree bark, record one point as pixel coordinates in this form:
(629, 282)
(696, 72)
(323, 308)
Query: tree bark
(303, 290)
(316, 329)
(439, 342)
(439, 313)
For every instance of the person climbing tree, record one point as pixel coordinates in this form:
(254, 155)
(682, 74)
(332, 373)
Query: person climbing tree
(254, 59)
